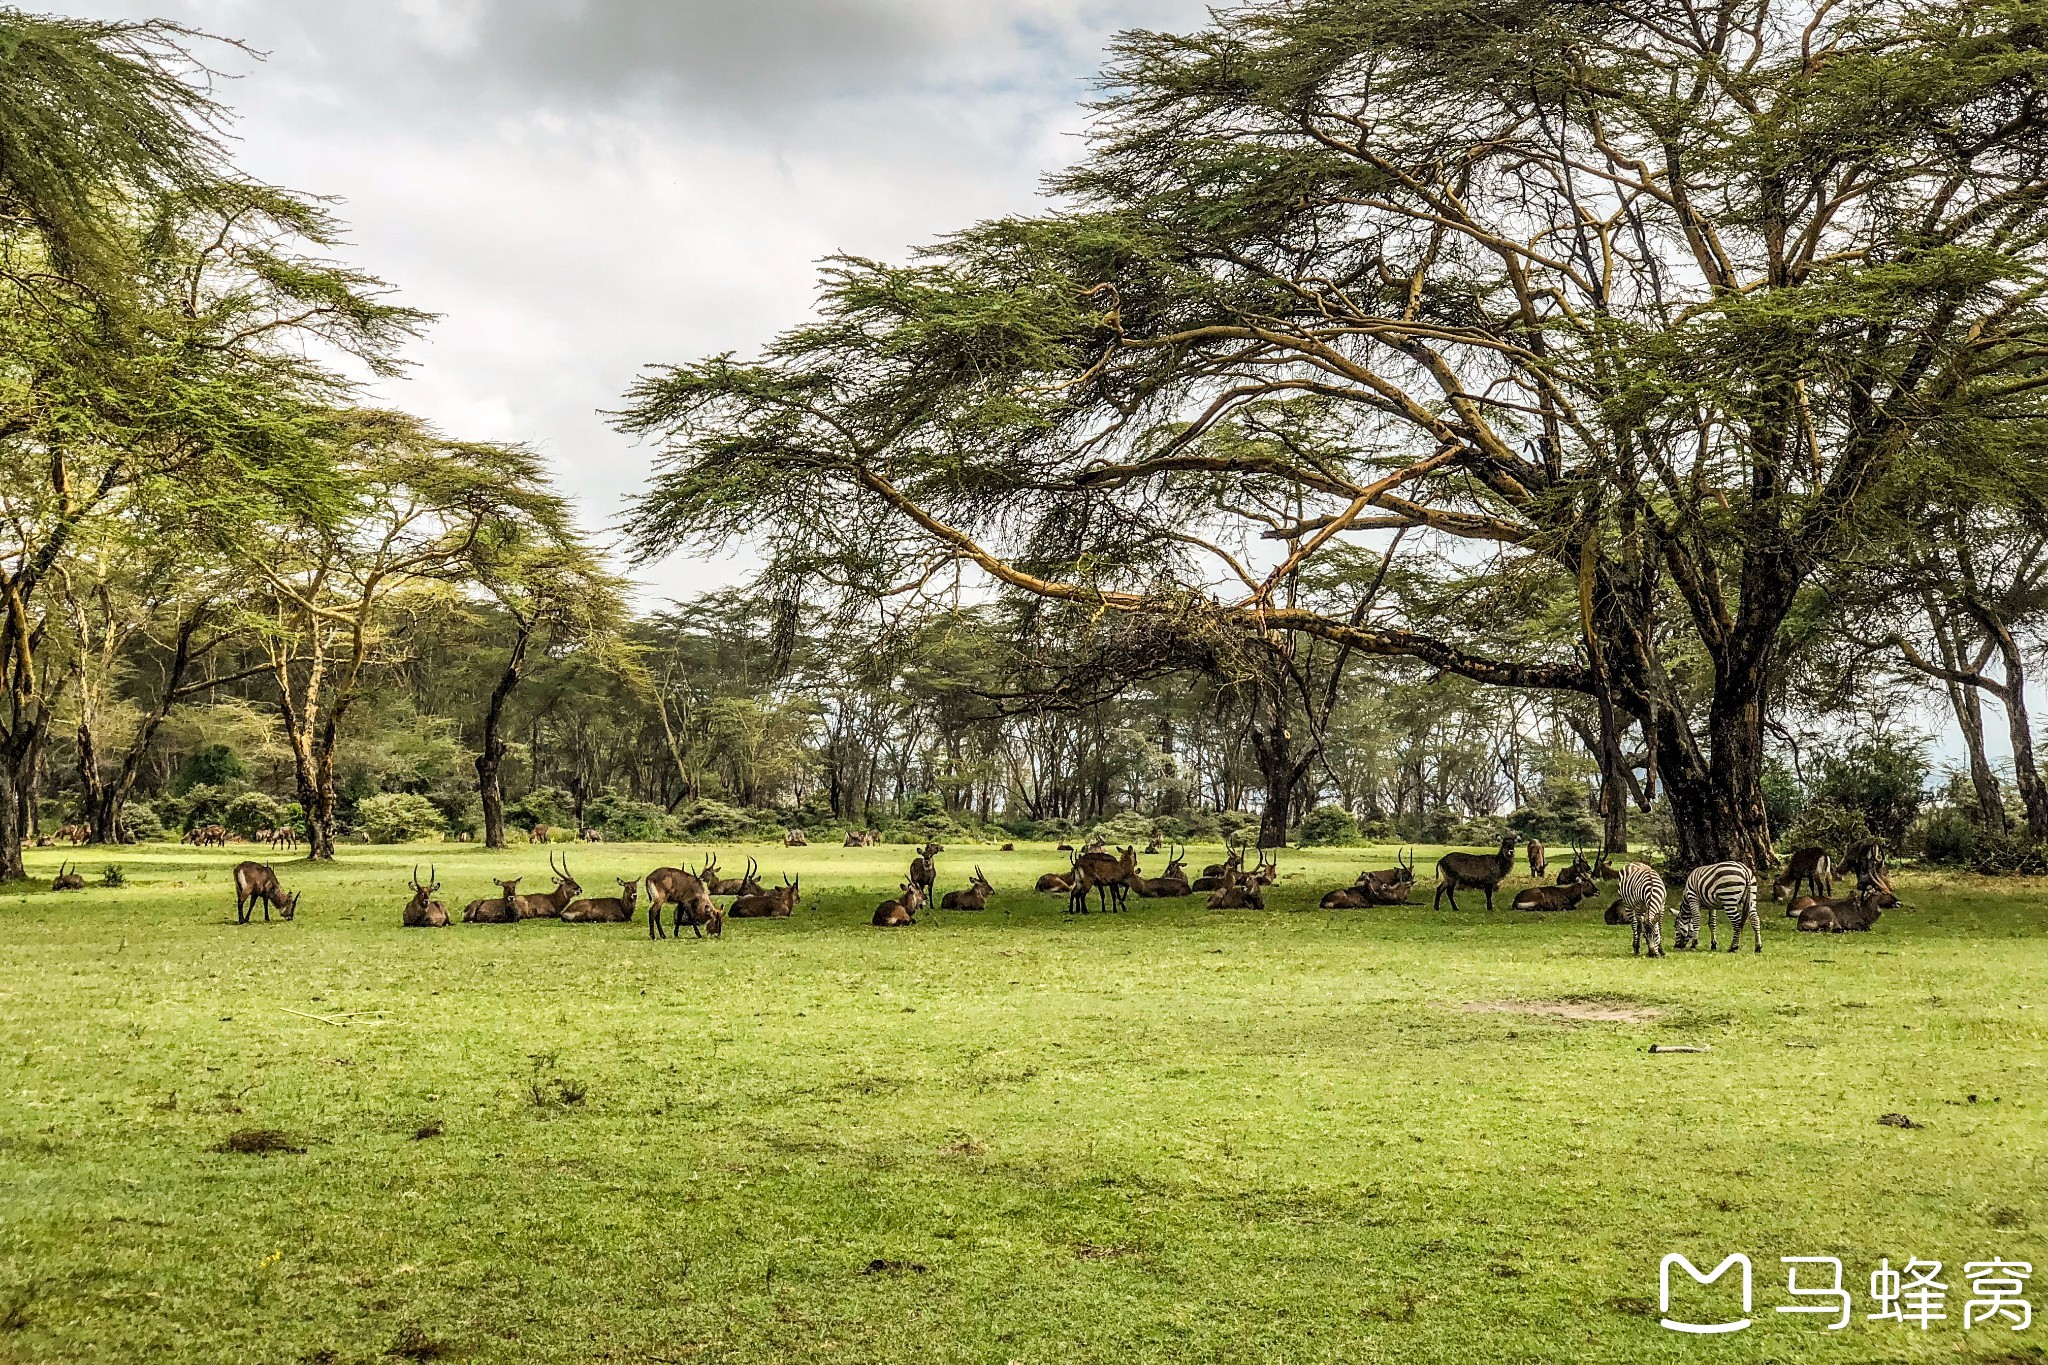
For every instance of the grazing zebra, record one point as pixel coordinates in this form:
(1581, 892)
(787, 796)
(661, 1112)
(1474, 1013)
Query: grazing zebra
(1728, 887)
(1642, 904)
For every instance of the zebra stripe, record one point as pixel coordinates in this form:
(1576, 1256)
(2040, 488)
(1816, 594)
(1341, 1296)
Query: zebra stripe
(1642, 904)
(1729, 888)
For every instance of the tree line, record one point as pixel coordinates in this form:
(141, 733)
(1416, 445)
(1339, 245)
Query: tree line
(1399, 422)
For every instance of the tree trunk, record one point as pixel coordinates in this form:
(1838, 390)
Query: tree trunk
(2020, 727)
(1969, 710)
(12, 823)
(490, 763)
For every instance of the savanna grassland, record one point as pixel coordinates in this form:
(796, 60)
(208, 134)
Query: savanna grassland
(1176, 1134)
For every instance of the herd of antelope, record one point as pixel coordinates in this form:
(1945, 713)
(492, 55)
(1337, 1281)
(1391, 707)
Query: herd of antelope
(703, 898)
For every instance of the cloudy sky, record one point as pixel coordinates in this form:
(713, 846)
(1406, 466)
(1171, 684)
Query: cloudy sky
(584, 187)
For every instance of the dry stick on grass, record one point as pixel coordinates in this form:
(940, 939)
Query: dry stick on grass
(338, 1020)
(1665, 1047)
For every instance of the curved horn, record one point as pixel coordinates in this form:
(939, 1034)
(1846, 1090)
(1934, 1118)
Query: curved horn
(433, 874)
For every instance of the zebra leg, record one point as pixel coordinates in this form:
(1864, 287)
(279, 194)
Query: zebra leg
(1713, 939)
(1635, 942)
(1657, 934)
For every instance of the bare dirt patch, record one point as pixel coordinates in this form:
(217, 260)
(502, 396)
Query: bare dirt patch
(1583, 1011)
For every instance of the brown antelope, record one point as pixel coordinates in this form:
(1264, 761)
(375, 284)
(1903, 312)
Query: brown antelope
(901, 912)
(1539, 858)
(504, 908)
(795, 839)
(1578, 869)
(853, 839)
(975, 897)
(67, 879)
(605, 909)
(692, 901)
(257, 882)
(1268, 870)
(1213, 875)
(75, 834)
(1866, 860)
(777, 904)
(924, 871)
(1808, 867)
(1605, 871)
(1457, 872)
(1153, 848)
(593, 836)
(549, 904)
(1391, 884)
(1009, 848)
(1237, 893)
(1109, 878)
(540, 834)
(1061, 882)
(1170, 884)
(747, 884)
(423, 911)
(1555, 897)
(1844, 914)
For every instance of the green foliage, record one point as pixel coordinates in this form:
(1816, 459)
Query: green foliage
(623, 820)
(113, 876)
(1784, 799)
(251, 811)
(216, 765)
(196, 806)
(549, 806)
(709, 820)
(1126, 827)
(1826, 825)
(398, 818)
(2012, 854)
(142, 823)
(1329, 827)
(1946, 837)
(1884, 780)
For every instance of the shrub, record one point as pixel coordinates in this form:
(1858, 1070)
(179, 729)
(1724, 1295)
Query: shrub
(623, 820)
(2009, 855)
(1128, 827)
(542, 806)
(1884, 780)
(113, 876)
(1947, 837)
(708, 819)
(398, 818)
(216, 765)
(250, 812)
(141, 822)
(1829, 826)
(1328, 827)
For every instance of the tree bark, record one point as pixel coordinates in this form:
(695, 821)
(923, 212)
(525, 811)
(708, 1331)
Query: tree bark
(490, 762)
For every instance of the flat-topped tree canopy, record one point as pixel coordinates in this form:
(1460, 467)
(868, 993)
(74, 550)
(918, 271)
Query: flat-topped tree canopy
(1636, 308)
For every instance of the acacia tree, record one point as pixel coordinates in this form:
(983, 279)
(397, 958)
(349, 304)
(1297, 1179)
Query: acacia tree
(413, 509)
(1632, 307)
(554, 589)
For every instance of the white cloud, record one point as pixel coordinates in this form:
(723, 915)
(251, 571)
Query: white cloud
(584, 187)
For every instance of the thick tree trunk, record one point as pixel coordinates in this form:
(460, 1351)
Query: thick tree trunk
(490, 763)
(1969, 711)
(12, 822)
(92, 786)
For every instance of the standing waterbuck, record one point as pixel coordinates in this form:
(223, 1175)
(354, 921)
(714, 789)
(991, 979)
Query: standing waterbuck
(1457, 872)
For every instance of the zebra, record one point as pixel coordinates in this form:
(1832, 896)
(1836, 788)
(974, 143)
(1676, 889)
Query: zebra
(1642, 904)
(1728, 887)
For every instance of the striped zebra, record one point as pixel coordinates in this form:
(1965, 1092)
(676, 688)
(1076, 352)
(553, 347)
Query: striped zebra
(1729, 888)
(1642, 904)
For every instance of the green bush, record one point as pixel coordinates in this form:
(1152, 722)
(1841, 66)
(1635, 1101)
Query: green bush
(113, 876)
(1947, 837)
(707, 819)
(1824, 824)
(250, 812)
(1329, 827)
(2009, 855)
(216, 765)
(623, 820)
(1883, 780)
(1128, 827)
(549, 806)
(141, 822)
(398, 818)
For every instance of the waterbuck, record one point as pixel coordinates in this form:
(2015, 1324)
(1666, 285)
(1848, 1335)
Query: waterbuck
(1539, 858)
(777, 904)
(1579, 868)
(605, 909)
(1170, 884)
(1866, 860)
(1060, 882)
(1213, 875)
(1238, 893)
(1109, 878)
(794, 838)
(692, 901)
(1457, 872)
(924, 870)
(975, 897)
(540, 834)
(423, 911)
(504, 908)
(1555, 897)
(1390, 885)
(257, 882)
(901, 912)
(747, 884)
(548, 905)
(68, 878)
(1809, 867)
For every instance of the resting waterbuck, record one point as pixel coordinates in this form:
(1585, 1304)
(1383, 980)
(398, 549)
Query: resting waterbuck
(423, 911)
(1809, 867)
(1062, 882)
(975, 897)
(901, 912)
(1238, 893)
(1555, 897)
(257, 882)
(1457, 872)
(548, 904)
(1866, 860)
(503, 908)
(1170, 884)
(67, 879)
(1579, 868)
(1213, 875)
(794, 838)
(605, 909)
(693, 904)
(747, 884)
(777, 904)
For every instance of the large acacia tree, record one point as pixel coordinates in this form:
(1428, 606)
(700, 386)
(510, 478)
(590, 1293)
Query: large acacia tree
(1629, 306)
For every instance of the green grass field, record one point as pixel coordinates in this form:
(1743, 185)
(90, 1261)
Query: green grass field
(1177, 1134)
